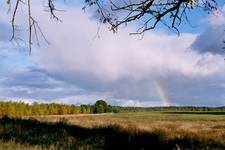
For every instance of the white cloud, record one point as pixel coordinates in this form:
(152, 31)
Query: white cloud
(120, 67)
(138, 103)
(119, 63)
(115, 56)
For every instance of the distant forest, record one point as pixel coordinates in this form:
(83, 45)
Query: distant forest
(17, 109)
(168, 108)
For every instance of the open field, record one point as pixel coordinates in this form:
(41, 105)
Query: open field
(138, 130)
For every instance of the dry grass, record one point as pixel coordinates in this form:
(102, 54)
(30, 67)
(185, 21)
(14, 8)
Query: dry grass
(132, 131)
(172, 126)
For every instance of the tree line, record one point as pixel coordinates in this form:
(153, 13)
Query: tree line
(17, 109)
(168, 108)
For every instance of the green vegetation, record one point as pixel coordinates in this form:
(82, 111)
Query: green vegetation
(101, 107)
(168, 108)
(18, 109)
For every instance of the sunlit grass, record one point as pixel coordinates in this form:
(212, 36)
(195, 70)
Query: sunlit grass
(119, 131)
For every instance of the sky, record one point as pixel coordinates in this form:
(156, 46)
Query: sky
(82, 64)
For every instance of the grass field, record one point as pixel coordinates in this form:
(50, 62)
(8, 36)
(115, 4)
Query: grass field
(137, 130)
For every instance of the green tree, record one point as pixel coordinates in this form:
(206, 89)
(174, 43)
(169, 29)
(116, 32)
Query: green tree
(100, 106)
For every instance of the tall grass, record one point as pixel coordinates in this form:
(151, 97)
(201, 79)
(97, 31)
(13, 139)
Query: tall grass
(121, 131)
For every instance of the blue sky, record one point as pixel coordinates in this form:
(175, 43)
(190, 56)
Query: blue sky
(79, 68)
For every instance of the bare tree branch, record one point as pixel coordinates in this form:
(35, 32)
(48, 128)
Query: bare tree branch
(30, 20)
(152, 11)
(33, 26)
(13, 18)
(170, 13)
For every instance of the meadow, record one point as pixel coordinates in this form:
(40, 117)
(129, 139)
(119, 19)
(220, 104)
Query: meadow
(130, 130)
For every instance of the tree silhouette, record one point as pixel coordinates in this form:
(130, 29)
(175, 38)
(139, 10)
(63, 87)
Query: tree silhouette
(170, 13)
(151, 12)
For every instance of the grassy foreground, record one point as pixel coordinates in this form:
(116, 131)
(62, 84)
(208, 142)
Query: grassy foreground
(139, 130)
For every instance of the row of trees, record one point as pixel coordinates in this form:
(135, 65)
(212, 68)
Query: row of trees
(17, 109)
(169, 108)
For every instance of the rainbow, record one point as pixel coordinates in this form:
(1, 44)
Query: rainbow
(161, 92)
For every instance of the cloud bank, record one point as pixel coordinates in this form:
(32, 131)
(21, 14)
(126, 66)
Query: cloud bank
(88, 64)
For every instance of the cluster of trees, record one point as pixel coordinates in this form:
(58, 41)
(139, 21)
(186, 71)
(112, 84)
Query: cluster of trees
(17, 109)
(102, 107)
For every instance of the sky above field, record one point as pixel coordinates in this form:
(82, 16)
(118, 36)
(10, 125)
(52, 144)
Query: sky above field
(85, 61)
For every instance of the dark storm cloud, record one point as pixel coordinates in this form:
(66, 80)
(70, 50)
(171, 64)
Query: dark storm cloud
(212, 41)
(195, 91)
(35, 84)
